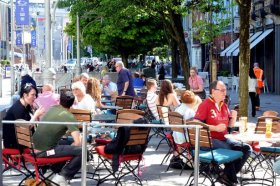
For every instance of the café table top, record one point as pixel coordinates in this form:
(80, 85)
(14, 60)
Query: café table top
(250, 137)
(104, 117)
(106, 101)
(237, 124)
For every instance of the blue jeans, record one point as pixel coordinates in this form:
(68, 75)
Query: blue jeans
(231, 169)
(276, 166)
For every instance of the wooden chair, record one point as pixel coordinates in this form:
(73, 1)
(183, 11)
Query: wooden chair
(182, 149)
(81, 114)
(270, 113)
(128, 115)
(210, 159)
(124, 101)
(24, 137)
(128, 161)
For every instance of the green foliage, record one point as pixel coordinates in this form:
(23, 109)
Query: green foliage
(116, 27)
(5, 62)
(206, 30)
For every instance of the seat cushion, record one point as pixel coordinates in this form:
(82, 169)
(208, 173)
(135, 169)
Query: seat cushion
(156, 121)
(270, 149)
(46, 160)
(221, 156)
(100, 150)
(8, 151)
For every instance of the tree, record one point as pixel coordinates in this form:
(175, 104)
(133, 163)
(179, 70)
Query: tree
(116, 27)
(170, 12)
(206, 30)
(244, 56)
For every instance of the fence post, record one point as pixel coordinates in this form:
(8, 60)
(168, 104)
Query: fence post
(196, 156)
(84, 155)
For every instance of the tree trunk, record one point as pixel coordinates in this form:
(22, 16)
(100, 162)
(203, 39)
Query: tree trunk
(177, 26)
(244, 57)
(174, 59)
(125, 59)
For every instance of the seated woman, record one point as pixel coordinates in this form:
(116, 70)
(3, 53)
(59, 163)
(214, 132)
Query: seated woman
(94, 90)
(167, 96)
(196, 83)
(137, 81)
(21, 109)
(82, 100)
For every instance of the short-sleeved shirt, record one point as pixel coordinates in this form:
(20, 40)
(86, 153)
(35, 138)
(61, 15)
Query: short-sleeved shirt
(209, 113)
(112, 86)
(17, 111)
(195, 82)
(47, 136)
(125, 76)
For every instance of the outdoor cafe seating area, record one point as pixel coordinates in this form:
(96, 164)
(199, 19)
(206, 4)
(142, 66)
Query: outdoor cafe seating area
(156, 146)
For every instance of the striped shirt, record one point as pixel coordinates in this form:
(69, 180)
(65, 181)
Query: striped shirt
(151, 101)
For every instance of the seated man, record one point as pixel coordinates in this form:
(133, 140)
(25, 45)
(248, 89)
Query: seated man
(109, 88)
(216, 114)
(48, 143)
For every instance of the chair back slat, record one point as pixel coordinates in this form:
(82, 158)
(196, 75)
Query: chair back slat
(81, 114)
(138, 136)
(24, 135)
(205, 139)
(176, 119)
(124, 101)
(163, 113)
(270, 113)
(128, 115)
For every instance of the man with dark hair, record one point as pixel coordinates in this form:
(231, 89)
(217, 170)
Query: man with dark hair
(48, 143)
(214, 112)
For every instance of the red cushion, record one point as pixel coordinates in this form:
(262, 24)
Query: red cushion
(45, 161)
(8, 151)
(185, 145)
(127, 157)
(100, 141)
(256, 146)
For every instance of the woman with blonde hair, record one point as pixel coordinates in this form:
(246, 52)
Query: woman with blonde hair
(167, 96)
(94, 90)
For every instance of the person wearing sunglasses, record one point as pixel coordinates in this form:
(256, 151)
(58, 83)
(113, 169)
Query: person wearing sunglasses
(216, 114)
(21, 109)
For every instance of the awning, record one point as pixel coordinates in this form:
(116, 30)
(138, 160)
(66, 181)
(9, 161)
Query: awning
(252, 39)
(234, 44)
(233, 49)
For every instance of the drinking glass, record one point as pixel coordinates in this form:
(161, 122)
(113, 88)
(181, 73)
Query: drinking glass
(242, 124)
(268, 122)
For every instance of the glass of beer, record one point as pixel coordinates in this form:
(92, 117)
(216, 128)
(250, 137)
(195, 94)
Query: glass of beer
(242, 124)
(268, 131)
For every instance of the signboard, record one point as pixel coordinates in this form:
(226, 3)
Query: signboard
(18, 37)
(33, 39)
(22, 12)
(7, 72)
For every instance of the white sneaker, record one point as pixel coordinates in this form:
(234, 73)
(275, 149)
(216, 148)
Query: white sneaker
(60, 180)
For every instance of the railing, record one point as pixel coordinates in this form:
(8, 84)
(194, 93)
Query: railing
(84, 140)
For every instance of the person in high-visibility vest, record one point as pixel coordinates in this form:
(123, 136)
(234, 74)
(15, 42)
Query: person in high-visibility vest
(259, 74)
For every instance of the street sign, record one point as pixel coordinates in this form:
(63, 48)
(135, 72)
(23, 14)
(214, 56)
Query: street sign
(22, 12)
(18, 37)
(33, 39)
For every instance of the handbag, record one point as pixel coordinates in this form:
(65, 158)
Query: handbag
(201, 94)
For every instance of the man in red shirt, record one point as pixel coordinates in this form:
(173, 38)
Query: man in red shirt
(214, 112)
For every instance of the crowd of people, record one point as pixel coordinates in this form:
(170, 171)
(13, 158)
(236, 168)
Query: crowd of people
(86, 94)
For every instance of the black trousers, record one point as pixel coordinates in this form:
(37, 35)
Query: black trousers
(253, 97)
(257, 100)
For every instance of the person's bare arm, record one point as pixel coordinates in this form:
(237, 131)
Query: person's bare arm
(232, 121)
(217, 128)
(126, 84)
(76, 138)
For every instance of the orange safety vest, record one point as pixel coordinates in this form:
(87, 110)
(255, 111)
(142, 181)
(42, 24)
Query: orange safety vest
(259, 74)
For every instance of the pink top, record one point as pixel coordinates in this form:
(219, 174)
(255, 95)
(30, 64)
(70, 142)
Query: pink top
(47, 100)
(194, 82)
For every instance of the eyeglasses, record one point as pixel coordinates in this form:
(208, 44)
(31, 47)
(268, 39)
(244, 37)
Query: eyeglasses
(221, 90)
(27, 85)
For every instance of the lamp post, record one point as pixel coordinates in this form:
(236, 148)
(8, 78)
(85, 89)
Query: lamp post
(78, 65)
(12, 48)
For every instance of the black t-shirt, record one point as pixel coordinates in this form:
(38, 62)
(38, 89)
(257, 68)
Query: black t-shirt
(17, 111)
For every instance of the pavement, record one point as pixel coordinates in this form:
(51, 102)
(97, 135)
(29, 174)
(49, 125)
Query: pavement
(153, 173)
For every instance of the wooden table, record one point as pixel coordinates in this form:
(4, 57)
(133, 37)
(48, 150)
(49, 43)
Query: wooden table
(104, 117)
(111, 107)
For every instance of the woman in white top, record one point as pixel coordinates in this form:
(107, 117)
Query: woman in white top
(167, 96)
(252, 84)
(189, 102)
(82, 100)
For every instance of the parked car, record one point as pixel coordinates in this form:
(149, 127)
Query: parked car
(70, 64)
